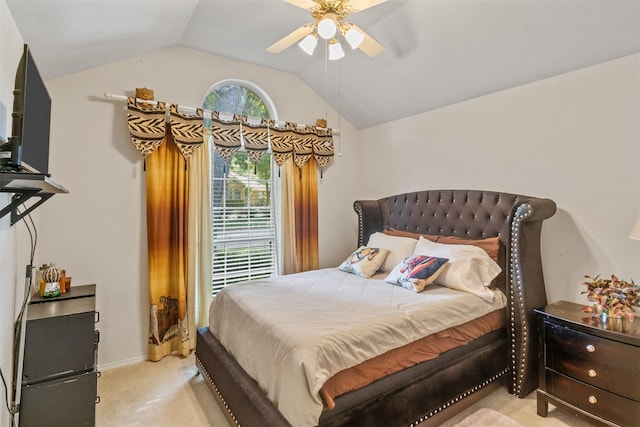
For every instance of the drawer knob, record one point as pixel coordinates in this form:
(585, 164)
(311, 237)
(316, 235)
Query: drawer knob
(593, 400)
(592, 373)
(591, 348)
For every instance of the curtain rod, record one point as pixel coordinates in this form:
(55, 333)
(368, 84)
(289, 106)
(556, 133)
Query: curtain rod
(191, 110)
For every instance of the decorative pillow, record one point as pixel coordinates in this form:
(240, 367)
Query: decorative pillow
(416, 272)
(491, 245)
(469, 269)
(365, 261)
(400, 247)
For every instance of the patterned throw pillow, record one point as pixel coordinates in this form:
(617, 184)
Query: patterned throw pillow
(365, 261)
(416, 272)
(470, 267)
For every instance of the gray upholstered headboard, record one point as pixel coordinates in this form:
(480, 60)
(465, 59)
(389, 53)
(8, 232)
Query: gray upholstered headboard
(516, 219)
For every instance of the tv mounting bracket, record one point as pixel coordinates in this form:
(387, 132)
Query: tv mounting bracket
(25, 186)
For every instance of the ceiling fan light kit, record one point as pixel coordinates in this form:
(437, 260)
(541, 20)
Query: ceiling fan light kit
(354, 37)
(335, 50)
(328, 24)
(309, 43)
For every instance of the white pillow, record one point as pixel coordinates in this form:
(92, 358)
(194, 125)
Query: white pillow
(469, 269)
(400, 247)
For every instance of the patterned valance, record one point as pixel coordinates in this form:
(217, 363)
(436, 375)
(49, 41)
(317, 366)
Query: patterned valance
(323, 147)
(187, 130)
(280, 139)
(286, 139)
(255, 138)
(226, 135)
(147, 126)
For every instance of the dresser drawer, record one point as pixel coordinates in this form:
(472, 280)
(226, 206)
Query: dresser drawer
(597, 361)
(612, 407)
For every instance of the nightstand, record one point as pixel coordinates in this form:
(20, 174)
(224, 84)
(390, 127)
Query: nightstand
(59, 376)
(588, 366)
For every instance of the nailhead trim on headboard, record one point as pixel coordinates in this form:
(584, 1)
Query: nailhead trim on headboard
(517, 306)
(358, 209)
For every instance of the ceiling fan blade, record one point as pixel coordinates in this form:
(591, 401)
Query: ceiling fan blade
(369, 45)
(290, 39)
(358, 5)
(305, 4)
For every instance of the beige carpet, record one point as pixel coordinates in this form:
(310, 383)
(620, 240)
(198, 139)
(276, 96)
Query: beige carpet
(485, 417)
(169, 394)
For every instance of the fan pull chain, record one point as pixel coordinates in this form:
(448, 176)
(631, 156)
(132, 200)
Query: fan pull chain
(339, 109)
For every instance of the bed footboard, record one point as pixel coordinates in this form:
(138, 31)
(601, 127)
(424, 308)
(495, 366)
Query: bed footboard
(469, 373)
(437, 389)
(239, 396)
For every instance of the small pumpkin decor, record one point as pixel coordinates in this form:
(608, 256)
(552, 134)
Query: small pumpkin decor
(611, 297)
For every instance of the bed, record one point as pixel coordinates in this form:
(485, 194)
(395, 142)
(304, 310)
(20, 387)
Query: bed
(431, 391)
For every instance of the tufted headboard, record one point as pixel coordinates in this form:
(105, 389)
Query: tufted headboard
(517, 221)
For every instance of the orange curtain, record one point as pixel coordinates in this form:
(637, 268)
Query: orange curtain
(289, 263)
(306, 215)
(167, 203)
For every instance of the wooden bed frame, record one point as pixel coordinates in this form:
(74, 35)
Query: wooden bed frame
(435, 390)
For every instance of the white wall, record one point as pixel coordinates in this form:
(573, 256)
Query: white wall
(574, 138)
(14, 240)
(97, 231)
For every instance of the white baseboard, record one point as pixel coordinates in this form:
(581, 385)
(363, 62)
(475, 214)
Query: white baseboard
(120, 363)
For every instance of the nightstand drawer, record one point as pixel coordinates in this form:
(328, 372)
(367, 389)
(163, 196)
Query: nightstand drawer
(590, 347)
(607, 405)
(596, 361)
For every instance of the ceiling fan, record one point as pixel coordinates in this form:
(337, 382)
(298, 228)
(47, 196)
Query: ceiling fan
(329, 24)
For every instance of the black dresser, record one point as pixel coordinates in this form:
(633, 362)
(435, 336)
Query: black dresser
(589, 366)
(59, 375)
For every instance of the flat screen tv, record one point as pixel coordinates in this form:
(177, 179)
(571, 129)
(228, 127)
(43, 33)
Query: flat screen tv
(28, 146)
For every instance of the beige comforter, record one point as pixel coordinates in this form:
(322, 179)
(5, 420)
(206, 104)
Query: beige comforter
(292, 333)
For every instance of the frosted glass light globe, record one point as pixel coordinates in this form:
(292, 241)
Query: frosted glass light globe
(354, 37)
(327, 28)
(335, 50)
(308, 44)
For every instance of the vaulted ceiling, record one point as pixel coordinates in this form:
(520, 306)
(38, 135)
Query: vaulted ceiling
(437, 52)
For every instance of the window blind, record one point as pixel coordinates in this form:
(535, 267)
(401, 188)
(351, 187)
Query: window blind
(244, 235)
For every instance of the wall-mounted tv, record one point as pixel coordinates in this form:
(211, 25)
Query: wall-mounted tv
(28, 146)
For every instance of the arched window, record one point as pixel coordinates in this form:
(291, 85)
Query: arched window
(243, 211)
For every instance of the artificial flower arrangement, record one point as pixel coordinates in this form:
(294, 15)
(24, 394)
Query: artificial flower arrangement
(612, 297)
